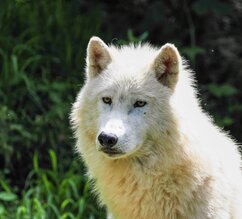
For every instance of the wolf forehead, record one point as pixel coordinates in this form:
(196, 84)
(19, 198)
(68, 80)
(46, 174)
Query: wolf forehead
(123, 82)
(129, 65)
(132, 57)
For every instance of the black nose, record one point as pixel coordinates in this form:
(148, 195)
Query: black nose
(107, 140)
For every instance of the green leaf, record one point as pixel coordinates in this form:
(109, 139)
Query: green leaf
(21, 210)
(5, 185)
(46, 182)
(228, 90)
(224, 90)
(15, 64)
(68, 215)
(227, 121)
(36, 162)
(66, 202)
(143, 36)
(2, 210)
(86, 189)
(192, 52)
(54, 209)
(72, 185)
(53, 160)
(7, 196)
(131, 36)
(82, 205)
(202, 7)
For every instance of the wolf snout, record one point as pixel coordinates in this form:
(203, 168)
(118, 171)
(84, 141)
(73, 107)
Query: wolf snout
(107, 140)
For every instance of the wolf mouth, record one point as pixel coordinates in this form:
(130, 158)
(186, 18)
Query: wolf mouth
(112, 152)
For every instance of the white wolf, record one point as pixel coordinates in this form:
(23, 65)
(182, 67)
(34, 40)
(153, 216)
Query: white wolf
(151, 150)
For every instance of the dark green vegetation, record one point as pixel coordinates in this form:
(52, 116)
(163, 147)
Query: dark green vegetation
(42, 52)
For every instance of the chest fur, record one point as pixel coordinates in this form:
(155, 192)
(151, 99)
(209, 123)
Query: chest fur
(129, 193)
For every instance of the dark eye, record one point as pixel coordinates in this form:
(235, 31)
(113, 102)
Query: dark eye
(107, 100)
(139, 103)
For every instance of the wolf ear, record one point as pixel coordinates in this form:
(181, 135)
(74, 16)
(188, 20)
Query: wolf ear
(167, 65)
(98, 56)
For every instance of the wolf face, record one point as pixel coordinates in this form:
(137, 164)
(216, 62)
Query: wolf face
(123, 120)
(126, 93)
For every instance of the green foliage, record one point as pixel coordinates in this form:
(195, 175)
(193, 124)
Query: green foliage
(224, 90)
(224, 94)
(7, 196)
(41, 56)
(42, 52)
(202, 7)
(51, 193)
(192, 52)
(131, 38)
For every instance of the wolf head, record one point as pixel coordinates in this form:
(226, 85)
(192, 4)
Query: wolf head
(125, 103)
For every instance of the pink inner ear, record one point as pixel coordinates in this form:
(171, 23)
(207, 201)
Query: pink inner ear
(167, 63)
(96, 56)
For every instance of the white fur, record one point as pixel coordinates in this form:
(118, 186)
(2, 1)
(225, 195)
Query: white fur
(176, 164)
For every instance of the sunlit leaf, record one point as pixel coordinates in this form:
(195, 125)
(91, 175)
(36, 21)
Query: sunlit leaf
(7, 196)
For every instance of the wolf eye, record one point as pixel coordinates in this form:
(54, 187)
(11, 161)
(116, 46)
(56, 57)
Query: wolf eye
(107, 100)
(139, 103)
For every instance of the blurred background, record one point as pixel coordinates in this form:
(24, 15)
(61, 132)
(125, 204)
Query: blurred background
(42, 58)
